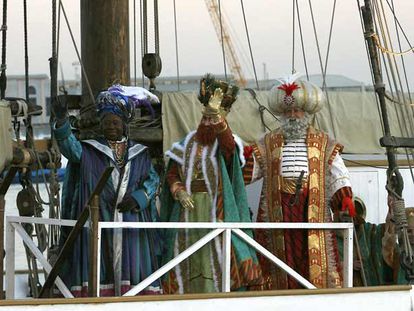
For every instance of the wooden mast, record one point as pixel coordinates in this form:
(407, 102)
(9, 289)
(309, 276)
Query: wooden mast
(105, 45)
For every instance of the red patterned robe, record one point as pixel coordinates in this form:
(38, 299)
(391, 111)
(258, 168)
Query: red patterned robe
(313, 254)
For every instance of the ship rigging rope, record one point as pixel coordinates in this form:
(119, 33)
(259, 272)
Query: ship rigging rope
(379, 25)
(388, 51)
(176, 46)
(321, 64)
(141, 20)
(92, 105)
(393, 66)
(329, 40)
(293, 36)
(397, 30)
(222, 39)
(370, 65)
(3, 78)
(302, 41)
(250, 46)
(135, 43)
(395, 76)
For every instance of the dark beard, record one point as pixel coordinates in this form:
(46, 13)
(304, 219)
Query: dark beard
(206, 134)
(294, 128)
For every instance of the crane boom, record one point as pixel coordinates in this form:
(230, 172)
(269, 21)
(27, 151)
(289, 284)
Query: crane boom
(229, 50)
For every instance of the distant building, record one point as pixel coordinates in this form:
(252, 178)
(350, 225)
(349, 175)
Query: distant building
(337, 83)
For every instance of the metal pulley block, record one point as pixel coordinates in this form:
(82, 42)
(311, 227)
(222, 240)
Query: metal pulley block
(25, 202)
(151, 65)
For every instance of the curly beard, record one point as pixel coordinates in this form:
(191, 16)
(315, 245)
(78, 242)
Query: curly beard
(294, 128)
(206, 134)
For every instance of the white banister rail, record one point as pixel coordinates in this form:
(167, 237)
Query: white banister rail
(13, 224)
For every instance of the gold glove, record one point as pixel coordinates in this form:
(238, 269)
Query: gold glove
(213, 107)
(185, 199)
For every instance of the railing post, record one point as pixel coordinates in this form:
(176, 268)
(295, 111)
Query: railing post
(2, 205)
(226, 260)
(348, 257)
(93, 247)
(10, 260)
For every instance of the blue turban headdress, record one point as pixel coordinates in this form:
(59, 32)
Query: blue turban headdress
(122, 100)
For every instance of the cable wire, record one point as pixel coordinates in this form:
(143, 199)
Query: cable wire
(250, 46)
(321, 66)
(301, 41)
(222, 41)
(176, 47)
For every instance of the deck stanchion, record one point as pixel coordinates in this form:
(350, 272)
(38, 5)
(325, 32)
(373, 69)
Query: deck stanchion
(348, 257)
(93, 248)
(226, 260)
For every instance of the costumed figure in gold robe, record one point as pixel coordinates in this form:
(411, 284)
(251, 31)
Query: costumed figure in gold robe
(204, 183)
(304, 180)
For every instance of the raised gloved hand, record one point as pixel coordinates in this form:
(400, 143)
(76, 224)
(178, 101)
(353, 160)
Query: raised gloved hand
(60, 110)
(215, 100)
(213, 108)
(128, 204)
(185, 199)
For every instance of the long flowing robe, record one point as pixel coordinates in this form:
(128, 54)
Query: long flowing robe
(315, 252)
(127, 255)
(224, 200)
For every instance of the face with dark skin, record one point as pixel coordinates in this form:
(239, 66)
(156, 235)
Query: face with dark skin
(112, 127)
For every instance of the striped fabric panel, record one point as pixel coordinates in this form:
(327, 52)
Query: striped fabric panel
(294, 159)
(248, 170)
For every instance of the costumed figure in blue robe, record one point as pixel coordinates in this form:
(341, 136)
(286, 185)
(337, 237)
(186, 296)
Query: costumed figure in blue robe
(204, 183)
(127, 255)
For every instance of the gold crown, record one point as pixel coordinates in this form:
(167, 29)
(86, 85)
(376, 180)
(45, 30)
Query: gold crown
(208, 84)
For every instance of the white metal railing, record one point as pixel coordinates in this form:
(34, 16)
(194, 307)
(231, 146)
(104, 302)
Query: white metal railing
(13, 224)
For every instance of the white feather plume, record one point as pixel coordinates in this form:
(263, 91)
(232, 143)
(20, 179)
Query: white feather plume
(289, 79)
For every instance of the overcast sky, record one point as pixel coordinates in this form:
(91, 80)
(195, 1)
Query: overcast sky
(270, 28)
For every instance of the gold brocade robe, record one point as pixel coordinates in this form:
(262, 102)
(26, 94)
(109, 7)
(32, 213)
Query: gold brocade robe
(324, 268)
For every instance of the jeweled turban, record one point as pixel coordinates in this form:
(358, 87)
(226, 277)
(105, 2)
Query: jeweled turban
(296, 93)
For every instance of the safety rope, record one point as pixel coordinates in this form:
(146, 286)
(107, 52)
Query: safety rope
(222, 40)
(3, 78)
(176, 47)
(250, 46)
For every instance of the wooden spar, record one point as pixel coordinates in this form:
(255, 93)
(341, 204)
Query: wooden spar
(105, 45)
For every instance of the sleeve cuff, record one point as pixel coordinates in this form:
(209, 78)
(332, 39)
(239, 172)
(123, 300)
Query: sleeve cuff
(141, 197)
(62, 132)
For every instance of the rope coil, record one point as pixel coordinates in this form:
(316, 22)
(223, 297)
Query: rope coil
(399, 218)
